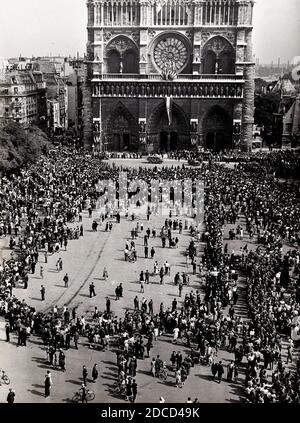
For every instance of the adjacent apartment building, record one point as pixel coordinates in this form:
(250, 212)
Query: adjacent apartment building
(23, 96)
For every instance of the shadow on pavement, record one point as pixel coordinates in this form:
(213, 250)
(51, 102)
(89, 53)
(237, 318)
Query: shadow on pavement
(35, 392)
(207, 377)
(167, 383)
(44, 366)
(36, 341)
(109, 378)
(109, 362)
(74, 382)
(145, 372)
(38, 359)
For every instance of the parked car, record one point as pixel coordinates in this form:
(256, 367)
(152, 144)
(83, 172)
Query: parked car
(155, 159)
(194, 162)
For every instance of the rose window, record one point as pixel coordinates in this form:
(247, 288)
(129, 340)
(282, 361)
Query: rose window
(170, 54)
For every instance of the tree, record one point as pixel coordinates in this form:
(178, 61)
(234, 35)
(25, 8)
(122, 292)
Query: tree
(265, 107)
(19, 145)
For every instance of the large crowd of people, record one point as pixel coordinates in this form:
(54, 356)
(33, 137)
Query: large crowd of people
(41, 212)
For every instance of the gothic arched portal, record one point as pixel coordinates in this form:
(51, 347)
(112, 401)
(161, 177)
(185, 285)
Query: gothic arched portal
(121, 130)
(217, 129)
(166, 135)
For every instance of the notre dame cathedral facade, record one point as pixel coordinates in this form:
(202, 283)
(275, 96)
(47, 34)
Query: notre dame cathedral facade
(169, 74)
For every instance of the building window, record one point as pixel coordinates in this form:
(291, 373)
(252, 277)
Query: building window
(288, 127)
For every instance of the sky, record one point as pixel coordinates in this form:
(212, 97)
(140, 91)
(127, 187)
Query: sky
(41, 27)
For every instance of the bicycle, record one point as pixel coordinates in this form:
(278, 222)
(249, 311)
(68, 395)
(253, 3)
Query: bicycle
(163, 374)
(119, 389)
(4, 378)
(90, 396)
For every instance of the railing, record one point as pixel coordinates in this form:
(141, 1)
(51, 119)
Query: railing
(158, 77)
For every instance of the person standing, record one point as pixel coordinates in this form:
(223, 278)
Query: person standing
(136, 303)
(176, 333)
(11, 396)
(180, 287)
(66, 280)
(74, 313)
(41, 272)
(178, 378)
(147, 277)
(26, 278)
(194, 264)
(117, 292)
(48, 384)
(43, 291)
(95, 373)
(152, 252)
(92, 290)
(146, 241)
(62, 360)
(167, 268)
(83, 393)
(150, 307)
(107, 305)
(129, 389)
(230, 370)
(7, 332)
(174, 305)
(134, 390)
(105, 274)
(84, 374)
(214, 369)
(149, 346)
(153, 367)
(161, 275)
(220, 371)
(76, 339)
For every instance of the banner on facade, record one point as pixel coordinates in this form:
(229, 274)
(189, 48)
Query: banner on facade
(169, 102)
